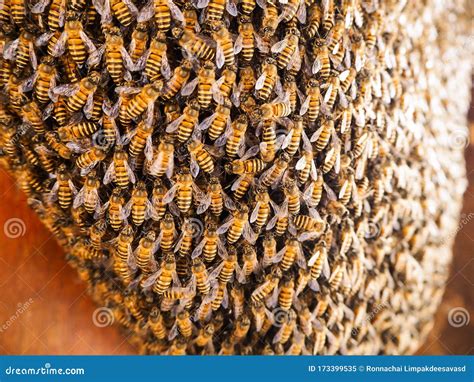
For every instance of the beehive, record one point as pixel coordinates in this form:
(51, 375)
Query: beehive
(270, 177)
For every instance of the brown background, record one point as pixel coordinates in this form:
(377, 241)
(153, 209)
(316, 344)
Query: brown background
(59, 319)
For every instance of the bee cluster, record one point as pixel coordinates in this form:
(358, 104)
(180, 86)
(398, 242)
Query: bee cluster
(260, 177)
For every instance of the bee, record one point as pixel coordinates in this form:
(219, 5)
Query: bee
(338, 272)
(216, 196)
(76, 131)
(237, 226)
(167, 232)
(237, 134)
(292, 252)
(327, 21)
(64, 187)
(191, 21)
(268, 146)
(275, 110)
(76, 40)
(311, 105)
(32, 115)
(218, 121)
(250, 265)
(164, 11)
(204, 337)
(323, 134)
(322, 63)
(184, 189)
(115, 54)
(269, 249)
(193, 44)
(286, 294)
(188, 230)
(209, 244)
(219, 294)
(124, 10)
(314, 20)
(56, 14)
(273, 175)
(214, 9)
(114, 208)
(158, 193)
(287, 326)
(164, 162)
(201, 277)
(18, 11)
(241, 328)
(119, 169)
(245, 43)
(157, 59)
(261, 210)
(139, 205)
(141, 140)
(312, 195)
(292, 194)
(156, 323)
(55, 143)
(45, 80)
(318, 263)
(312, 224)
(293, 139)
(145, 99)
(90, 158)
(139, 41)
(204, 81)
(224, 86)
(186, 123)
(270, 20)
(15, 94)
(247, 81)
(248, 6)
(175, 83)
(80, 94)
(225, 46)
(184, 324)
(267, 80)
(165, 276)
(97, 232)
(88, 195)
(331, 92)
(281, 218)
(287, 49)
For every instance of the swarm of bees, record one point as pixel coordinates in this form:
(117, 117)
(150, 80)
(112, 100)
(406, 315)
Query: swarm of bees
(243, 177)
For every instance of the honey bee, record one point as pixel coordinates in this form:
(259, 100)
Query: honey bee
(261, 210)
(186, 123)
(204, 337)
(141, 141)
(55, 143)
(268, 146)
(116, 56)
(119, 169)
(144, 100)
(270, 20)
(90, 158)
(245, 43)
(209, 244)
(201, 277)
(244, 165)
(236, 133)
(237, 226)
(157, 60)
(139, 41)
(32, 115)
(269, 250)
(250, 266)
(292, 252)
(218, 121)
(287, 49)
(193, 44)
(97, 232)
(267, 80)
(281, 218)
(241, 328)
(80, 94)
(45, 80)
(246, 84)
(248, 6)
(287, 326)
(184, 189)
(164, 162)
(18, 11)
(327, 21)
(76, 40)
(164, 11)
(139, 205)
(286, 294)
(114, 207)
(178, 347)
(165, 276)
(88, 195)
(124, 10)
(156, 324)
(273, 175)
(64, 187)
(323, 134)
(179, 78)
(318, 263)
(311, 104)
(314, 20)
(312, 224)
(204, 81)
(76, 131)
(322, 63)
(225, 45)
(338, 272)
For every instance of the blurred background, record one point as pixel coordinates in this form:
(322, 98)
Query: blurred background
(44, 307)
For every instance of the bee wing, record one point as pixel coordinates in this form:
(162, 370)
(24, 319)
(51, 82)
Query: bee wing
(326, 269)
(95, 57)
(198, 250)
(249, 234)
(254, 215)
(79, 198)
(165, 67)
(301, 13)
(125, 139)
(88, 42)
(305, 105)
(279, 46)
(331, 194)
(110, 173)
(343, 189)
(194, 166)
(301, 164)
(10, 49)
(202, 4)
(260, 81)
(149, 148)
(220, 57)
(238, 44)
(147, 12)
(316, 134)
(228, 202)
(189, 87)
(175, 12)
(205, 202)
(100, 211)
(260, 44)
(175, 124)
(131, 260)
(127, 60)
(317, 65)
(251, 152)
(231, 7)
(28, 84)
(41, 40)
(126, 209)
(132, 7)
(151, 280)
(204, 125)
(216, 90)
(225, 227)
(32, 54)
(169, 196)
